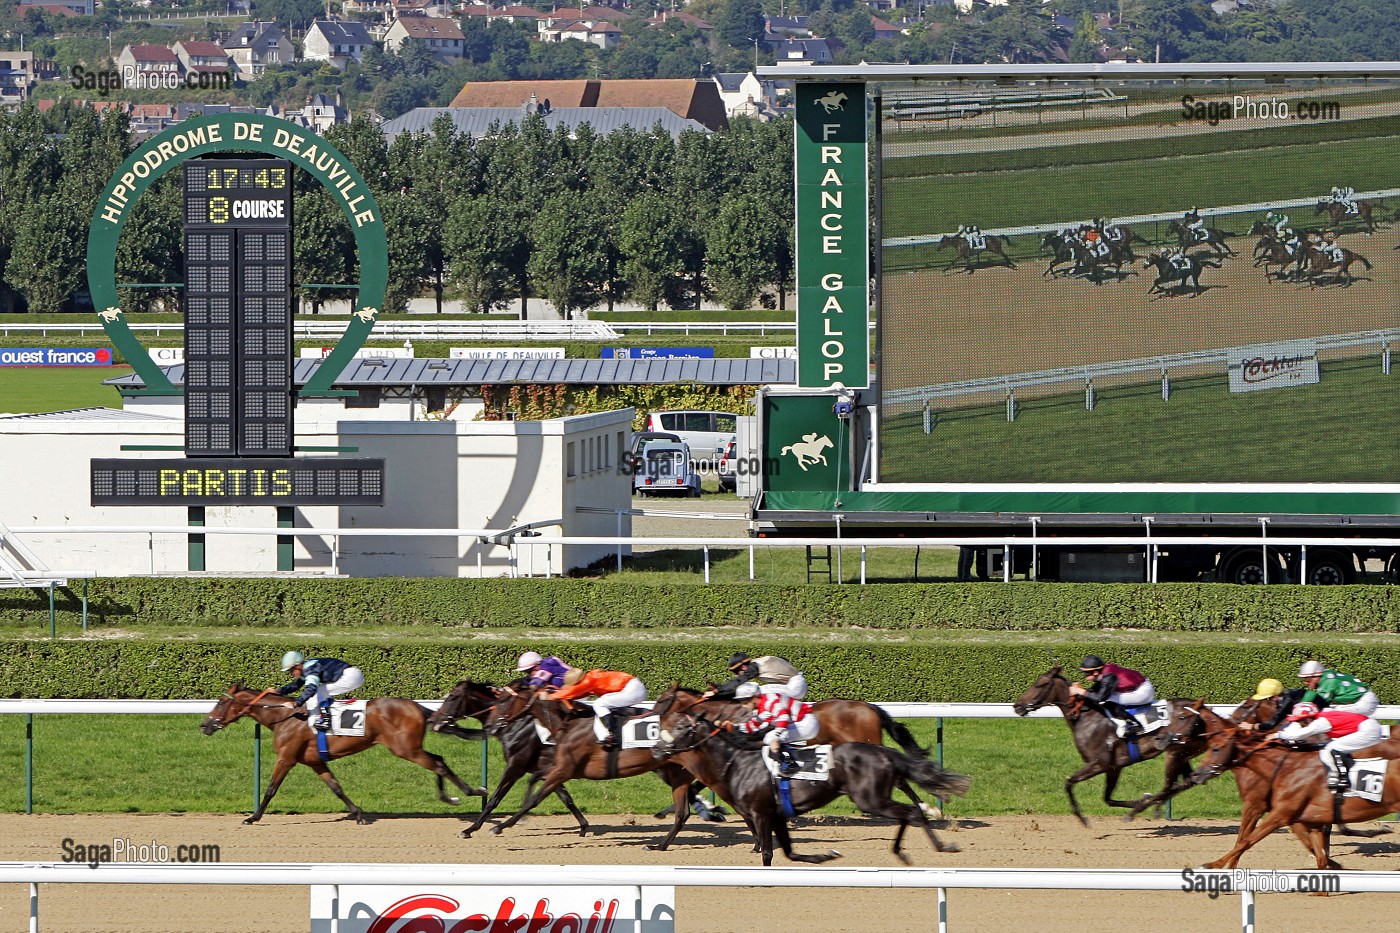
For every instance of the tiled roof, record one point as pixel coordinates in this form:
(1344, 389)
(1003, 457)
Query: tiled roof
(199, 49)
(343, 33)
(430, 27)
(668, 16)
(478, 121)
(152, 53)
(516, 93)
(520, 12)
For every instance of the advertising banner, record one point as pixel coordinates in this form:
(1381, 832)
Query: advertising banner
(772, 353)
(364, 353)
(651, 353)
(51, 356)
(1274, 366)
(493, 908)
(506, 353)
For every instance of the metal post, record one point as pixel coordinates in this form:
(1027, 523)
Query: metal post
(840, 574)
(85, 603)
(53, 618)
(335, 908)
(862, 565)
(751, 562)
(1089, 394)
(939, 741)
(286, 556)
(33, 907)
(619, 542)
(1303, 567)
(942, 910)
(1264, 546)
(335, 554)
(195, 547)
(1247, 912)
(1385, 358)
(1166, 387)
(151, 549)
(484, 767)
(1035, 548)
(707, 563)
(1151, 555)
(1006, 563)
(257, 765)
(28, 762)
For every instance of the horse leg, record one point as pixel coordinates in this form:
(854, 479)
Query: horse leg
(567, 799)
(279, 773)
(680, 801)
(1093, 769)
(532, 800)
(416, 753)
(324, 773)
(512, 774)
(1315, 841)
(1249, 818)
(1261, 831)
(1110, 781)
(919, 817)
(780, 829)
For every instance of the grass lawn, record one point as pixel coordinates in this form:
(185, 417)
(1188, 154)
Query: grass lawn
(162, 764)
(24, 390)
(1204, 430)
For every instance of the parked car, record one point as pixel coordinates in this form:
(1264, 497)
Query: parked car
(666, 468)
(728, 479)
(705, 431)
(640, 439)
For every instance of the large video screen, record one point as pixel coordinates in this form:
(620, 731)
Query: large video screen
(1166, 282)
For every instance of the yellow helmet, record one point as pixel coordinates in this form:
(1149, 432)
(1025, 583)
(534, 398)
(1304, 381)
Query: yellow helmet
(1268, 687)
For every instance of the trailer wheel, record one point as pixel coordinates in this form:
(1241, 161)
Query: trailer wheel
(1330, 568)
(1248, 568)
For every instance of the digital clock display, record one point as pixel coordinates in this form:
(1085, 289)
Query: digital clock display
(243, 193)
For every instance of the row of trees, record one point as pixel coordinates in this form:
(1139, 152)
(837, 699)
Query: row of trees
(580, 220)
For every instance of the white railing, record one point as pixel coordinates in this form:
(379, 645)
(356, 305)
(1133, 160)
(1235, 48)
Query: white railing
(446, 330)
(940, 880)
(517, 538)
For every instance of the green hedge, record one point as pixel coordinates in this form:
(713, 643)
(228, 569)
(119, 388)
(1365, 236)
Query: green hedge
(623, 604)
(881, 671)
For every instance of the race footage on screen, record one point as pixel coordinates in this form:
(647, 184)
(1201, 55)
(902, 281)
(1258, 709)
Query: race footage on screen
(1184, 283)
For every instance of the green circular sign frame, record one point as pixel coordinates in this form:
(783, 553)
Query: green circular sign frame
(237, 132)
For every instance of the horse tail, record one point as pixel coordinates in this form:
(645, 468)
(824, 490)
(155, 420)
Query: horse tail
(1364, 261)
(930, 777)
(786, 449)
(901, 734)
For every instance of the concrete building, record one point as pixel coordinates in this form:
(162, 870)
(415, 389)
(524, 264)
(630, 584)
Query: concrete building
(254, 46)
(337, 42)
(442, 37)
(148, 66)
(17, 77)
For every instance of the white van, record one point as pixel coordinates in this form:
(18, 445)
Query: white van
(706, 432)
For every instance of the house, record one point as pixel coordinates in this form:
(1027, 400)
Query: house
(885, 29)
(148, 66)
(442, 37)
(17, 77)
(479, 122)
(792, 51)
(689, 99)
(678, 16)
(255, 46)
(336, 41)
(789, 27)
(59, 8)
(747, 95)
(517, 14)
(197, 57)
(476, 12)
(603, 35)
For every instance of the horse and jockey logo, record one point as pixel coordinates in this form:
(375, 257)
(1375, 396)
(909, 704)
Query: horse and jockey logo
(808, 451)
(833, 102)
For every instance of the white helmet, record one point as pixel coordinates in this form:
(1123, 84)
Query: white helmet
(1311, 669)
(745, 690)
(291, 659)
(528, 661)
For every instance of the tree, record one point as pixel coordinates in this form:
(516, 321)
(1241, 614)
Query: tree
(742, 244)
(46, 261)
(488, 249)
(1087, 41)
(151, 248)
(651, 238)
(567, 262)
(740, 23)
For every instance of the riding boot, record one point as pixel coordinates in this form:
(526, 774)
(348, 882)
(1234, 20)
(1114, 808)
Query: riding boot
(612, 724)
(1340, 779)
(787, 765)
(323, 721)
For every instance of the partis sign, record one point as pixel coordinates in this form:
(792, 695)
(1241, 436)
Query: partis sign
(833, 242)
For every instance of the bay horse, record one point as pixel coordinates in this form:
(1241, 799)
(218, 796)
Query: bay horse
(1317, 262)
(1291, 785)
(525, 752)
(1337, 214)
(1104, 752)
(868, 774)
(967, 256)
(397, 724)
(579, 755)
(1188, 277)
(1215, 238)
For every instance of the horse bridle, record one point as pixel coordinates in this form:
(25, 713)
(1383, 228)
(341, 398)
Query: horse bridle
(252, 704)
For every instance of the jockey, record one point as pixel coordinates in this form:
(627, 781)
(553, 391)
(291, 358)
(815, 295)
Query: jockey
(541, 671)
(974, 237)
(773, 675)
(1095, 242)
(1273, 687)
(1178, 259)
(1345, 196)
(322, 678)
(614, 690)
(1331, 247)
(1280, 224)
(1196, 224)
(791, 719)
(1337, 691)
(1114, 689)
(1345, 733)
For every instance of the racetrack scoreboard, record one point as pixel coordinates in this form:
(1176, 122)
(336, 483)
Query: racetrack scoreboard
(238, 308)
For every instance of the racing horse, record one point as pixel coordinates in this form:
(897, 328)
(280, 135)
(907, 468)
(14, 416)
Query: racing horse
(1318, 262)
(1337, 215)
(868, 774)
(967, 255)
(397, 724)
(1215, 238)
(1172, 278)
(579, 755)
(525, 752)
(1103, 750)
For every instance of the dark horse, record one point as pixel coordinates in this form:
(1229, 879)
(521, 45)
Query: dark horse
(868, 774)
(579, 755)
(1319, 262)
(1103, 751)
(1215, 238)
(1337, 214)
(396, 724)
(525, 752)
(967, 256)
(1188, 277)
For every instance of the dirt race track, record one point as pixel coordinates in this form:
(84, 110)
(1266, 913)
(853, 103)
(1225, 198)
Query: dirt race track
(1013, 842)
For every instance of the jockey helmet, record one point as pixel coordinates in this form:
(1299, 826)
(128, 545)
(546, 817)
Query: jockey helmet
(528, 661)
(744, 691)
(1091, 663)
(1268, 687)
(1303, 711)
(291, 659)
(1311, 669)
(739, 659)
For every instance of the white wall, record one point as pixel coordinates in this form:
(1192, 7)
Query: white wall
(439, 474)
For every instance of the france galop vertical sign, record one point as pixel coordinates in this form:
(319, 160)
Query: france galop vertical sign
(833, 248)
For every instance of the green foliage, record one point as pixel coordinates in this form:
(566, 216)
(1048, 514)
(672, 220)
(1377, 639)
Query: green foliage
(535, 402)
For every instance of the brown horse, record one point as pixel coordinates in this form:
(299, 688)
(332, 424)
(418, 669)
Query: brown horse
(1318, 263)
(525, 752)
(579, 755)
(967, 256)
(1290, 785)
(396, 724)
(733, 767)
(1103, 751)
(1337, 214)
